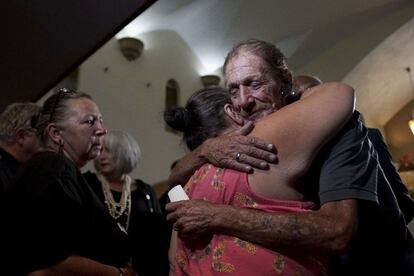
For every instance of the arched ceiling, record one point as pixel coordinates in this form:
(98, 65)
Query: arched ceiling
(384, 85)
(322, 37)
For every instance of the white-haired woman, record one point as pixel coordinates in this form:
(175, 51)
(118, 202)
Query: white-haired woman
(132, 203)
(55, 224)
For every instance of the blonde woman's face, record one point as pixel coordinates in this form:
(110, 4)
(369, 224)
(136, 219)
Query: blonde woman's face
(107, 162)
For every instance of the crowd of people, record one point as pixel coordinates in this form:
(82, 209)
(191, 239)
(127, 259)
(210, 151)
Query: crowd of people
(283, 179)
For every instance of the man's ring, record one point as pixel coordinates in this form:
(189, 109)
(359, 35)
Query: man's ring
(238, 157)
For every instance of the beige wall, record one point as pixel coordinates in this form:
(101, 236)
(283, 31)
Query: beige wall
(336, 62)
(131, 95)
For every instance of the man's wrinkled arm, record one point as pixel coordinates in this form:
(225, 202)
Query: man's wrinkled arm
(327, 230)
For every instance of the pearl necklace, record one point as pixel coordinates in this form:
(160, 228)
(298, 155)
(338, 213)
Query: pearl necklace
(117, 209)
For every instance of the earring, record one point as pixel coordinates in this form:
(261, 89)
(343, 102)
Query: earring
(291, 97)
(61, 143)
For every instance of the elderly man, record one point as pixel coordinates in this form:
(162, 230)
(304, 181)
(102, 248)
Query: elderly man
(358, 212)
(18, 140)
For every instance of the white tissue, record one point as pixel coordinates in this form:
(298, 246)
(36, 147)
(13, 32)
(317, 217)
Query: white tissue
(177, 193)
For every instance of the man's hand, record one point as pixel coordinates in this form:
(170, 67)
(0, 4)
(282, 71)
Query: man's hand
(193, 218)
(329, 230)
(233, 150)
(237, 151)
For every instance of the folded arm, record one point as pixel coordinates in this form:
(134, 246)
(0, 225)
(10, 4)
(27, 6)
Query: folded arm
(222, 151)
(327, 230)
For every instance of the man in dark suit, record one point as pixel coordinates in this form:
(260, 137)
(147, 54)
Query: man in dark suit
(404, 199)
(18, 140)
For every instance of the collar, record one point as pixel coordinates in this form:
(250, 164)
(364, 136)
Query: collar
(7, 158)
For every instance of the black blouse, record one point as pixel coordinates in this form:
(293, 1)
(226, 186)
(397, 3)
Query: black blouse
(146, 226)
(52, 213)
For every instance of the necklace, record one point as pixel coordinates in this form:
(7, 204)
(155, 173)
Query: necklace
(117, 209)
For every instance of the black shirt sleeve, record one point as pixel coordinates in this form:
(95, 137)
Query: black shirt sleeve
(349, 169)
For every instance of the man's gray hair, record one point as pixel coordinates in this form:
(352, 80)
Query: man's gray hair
(16, 116)
(125, 150)
(273, 59)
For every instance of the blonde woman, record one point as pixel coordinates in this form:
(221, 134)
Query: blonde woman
(130, 202)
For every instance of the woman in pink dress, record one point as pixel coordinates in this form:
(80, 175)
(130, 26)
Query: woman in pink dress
(298, 137)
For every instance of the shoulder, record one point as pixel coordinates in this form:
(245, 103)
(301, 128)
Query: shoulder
(374, 135)
(144, 193)
(50, 163)
(143, 186)
(353, 135)
(92, 180)
(49, 176)
(90, 177)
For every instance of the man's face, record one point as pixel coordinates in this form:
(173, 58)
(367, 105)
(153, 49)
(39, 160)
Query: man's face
(253, 92)
(30, 144)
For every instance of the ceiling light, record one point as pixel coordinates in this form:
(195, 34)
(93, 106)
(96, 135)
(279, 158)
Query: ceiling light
(210, 80)
(411, 121)
(411, 125)
(131, 47)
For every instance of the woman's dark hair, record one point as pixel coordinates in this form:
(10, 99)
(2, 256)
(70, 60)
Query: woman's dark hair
(55, 110)
(202, 117)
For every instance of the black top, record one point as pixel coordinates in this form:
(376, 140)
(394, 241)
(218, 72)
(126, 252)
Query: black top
(145, 226)
(51, 213)
(404, 199)
(347, 168)
(344, 167)
(8, 167)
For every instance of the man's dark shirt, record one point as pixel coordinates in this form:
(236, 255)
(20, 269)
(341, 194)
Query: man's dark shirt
(404, 199)
(347, 168)
(8, 167)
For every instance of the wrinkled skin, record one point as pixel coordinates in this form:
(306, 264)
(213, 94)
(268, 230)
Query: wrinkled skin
(192, 218)
(222, 151)
(254, 152)
(254, 93)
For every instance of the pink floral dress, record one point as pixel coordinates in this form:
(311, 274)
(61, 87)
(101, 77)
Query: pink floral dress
(226, 255)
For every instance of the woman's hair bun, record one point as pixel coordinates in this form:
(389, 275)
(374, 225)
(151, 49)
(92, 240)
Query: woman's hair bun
(178, 118)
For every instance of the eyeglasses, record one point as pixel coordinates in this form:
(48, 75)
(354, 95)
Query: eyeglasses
(60, 95)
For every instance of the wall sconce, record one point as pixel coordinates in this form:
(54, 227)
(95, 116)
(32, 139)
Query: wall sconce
(131, 47)
(411, 124)
(411, 121)
(210, 80)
